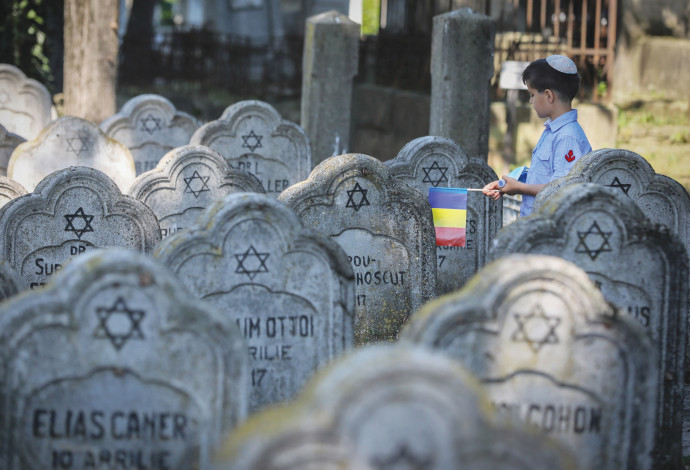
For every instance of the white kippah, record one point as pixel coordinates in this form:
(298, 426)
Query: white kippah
(562, 64)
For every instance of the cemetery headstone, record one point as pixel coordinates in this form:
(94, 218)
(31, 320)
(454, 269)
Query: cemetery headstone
(186, 181)
(70, 141)
(25, 104)
(252, 136)
(11, 282)
(149, 126)
(114, 365)
(70, 212)
(552, 353)
(638, 267)
(386, 228)
(431, 161)
(8, 142)
(289, 289)
(9, 189)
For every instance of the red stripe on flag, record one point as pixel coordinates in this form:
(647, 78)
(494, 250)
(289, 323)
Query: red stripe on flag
(450, 236)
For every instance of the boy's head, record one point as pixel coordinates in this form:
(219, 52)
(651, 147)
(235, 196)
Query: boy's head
(557, 73)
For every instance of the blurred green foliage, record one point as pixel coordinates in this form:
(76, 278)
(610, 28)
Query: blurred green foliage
(371, 17)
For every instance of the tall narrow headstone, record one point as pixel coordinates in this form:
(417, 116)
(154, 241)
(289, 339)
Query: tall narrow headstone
(386, 228)
(186, 181)
(115, 365)
(70, 212)
(149, 126)
(25, 104)
(432, 162)
(330, 61)
(551, 352)
(462, 65)
(253, 137)
(639, 267)
(289, 289)
(70, 141)
(8, 142)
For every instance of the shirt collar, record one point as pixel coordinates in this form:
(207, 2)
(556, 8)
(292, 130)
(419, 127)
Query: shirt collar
(561, 120)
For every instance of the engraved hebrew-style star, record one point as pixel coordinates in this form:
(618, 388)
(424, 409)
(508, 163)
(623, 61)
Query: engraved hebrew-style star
(438, 170)
(256, 266)
(79, 214)
(256, 139)
(197, 181)
(4, 97)
(150, 124)
(119, 323)
(616, 183)
(591, 238)
(78, 143)
(536, 329)
(363, 201)
(403, 458)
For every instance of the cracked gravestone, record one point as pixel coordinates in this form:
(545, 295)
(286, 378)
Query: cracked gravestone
(25, 104)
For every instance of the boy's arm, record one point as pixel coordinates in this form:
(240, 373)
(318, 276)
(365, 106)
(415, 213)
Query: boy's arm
(512, 186)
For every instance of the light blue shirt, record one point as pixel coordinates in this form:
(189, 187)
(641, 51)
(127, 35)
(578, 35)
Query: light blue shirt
(560, 145)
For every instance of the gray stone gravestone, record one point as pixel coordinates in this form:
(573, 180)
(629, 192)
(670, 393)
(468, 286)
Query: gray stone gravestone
(115, 365)
(70, 212)
(431, 161)
(550, 351)
(289, 289)
(186, 181)
(8, 142)
(25, 104)
(11, 282)
(387, 231)
(149, 126)
(641, 268)
(253, 137)
(70, 141)
(9, 189)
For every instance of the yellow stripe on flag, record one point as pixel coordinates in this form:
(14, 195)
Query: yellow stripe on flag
(449, 217)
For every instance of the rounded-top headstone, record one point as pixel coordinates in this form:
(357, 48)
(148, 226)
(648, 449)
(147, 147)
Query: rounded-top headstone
(9, 190)
(25, 104)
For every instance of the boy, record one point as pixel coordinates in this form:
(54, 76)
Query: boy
(552, 84)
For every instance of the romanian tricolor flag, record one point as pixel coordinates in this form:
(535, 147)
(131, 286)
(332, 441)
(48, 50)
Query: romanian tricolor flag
(449, 206)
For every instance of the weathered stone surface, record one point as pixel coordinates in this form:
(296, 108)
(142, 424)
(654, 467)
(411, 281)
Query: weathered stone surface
(186, 181)
(25, 104)
(550, 351)
(8, 142)
(641, 268)
(9, 189)
(149, 126)
(113, 364)
(253, 137)
(430, 161)
(70, 141)
(386, 228)
(11, 282)
(70, 212)
(289, 289)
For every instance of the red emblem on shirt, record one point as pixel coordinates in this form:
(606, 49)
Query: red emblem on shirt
(569, 156)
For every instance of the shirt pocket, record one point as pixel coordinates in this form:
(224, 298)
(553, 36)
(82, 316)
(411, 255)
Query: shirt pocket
(541, 164)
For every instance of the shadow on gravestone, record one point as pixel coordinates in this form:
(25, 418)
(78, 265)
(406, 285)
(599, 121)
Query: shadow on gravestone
(431, 161)
(8, 142)
(186, 181)
(114, 365)
(289, 289)
(70, 212)
(388, 407)
(149, 126)
(641, 268)
(253, 137)
(70, 141)
(11, 282)
(386, 228)
(551, 352)
(25, 104)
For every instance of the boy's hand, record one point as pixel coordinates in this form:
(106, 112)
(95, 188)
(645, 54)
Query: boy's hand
(492, 190)
(512, 186)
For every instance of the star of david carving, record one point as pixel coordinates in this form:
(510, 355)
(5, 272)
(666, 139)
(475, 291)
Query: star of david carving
(78, 143)
(196, 184)
(83, 228)
(255, 141)
(255, 262)
(438, 171)
(363, 201)
(403, 458)
(616, 183)
(150, 124)
(119, 323)
(4, 97)
(594, 241)
(536, 329)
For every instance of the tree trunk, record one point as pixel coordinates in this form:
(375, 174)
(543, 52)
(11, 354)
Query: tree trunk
(90, 68)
